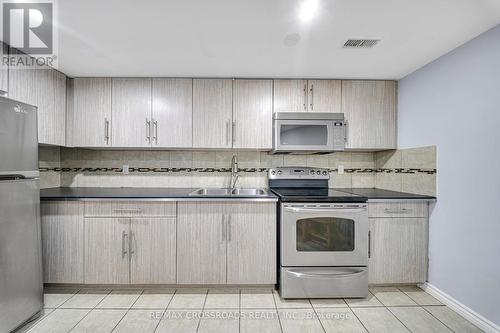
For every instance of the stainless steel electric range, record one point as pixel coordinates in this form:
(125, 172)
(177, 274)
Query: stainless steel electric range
(323, 236)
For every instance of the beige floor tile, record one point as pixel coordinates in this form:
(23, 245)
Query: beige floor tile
(392, 296)
(419, 296)
(44, 313)
(300, 321)
(99, 321)
(143, 321)
(257, 299)
(59, 321)
(379, 320)
(154, 299)
(341, 320)
(179, 321)
(259, 320)
(54, 300)
(223, 299)
(119, 299)
(418, 320)
(188, 299)
(291, 303)
(370, 300)
(219, 321)
(452, 319)
(328, 302)
(85, 299)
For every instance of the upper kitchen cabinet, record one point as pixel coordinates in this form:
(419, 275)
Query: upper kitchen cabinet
(172, 113)
(307, 95)
(89, 111)
(22, 82)
(212, 113)
(4, 70)
(252, 114)
(370, 110)
(131, 112)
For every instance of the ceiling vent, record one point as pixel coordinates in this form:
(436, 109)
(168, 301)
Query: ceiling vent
(361, 43)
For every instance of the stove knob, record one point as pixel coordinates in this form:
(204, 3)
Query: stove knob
(312, 172)
(318, 172)
(279, 172)
(273, 172)
(325, 173)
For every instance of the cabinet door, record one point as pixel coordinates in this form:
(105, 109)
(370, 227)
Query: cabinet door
(4, 69)
(251, 244)
(90, 112)
(59, 111)
(252, 114)
(152, 250)
(398, 250)
(201, 244)
(22, 81)
(370, 110)
(131, 112)
(172, 113)
(45, 99)
(106, 250)
(212, 113)
(324, 96)
(62, 241)
(290, 95)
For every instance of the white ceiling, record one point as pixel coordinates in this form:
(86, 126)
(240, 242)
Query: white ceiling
(246, 38)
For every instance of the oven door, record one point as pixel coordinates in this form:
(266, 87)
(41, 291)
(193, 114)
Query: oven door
(321, 234)
(304, 136)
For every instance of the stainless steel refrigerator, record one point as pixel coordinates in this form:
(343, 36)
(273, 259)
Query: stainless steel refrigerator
(21, 288)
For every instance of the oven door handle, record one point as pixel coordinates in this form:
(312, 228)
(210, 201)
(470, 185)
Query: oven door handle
(325, 210)
(325, 276)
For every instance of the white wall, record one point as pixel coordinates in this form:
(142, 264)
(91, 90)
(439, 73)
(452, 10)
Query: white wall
(454, 103)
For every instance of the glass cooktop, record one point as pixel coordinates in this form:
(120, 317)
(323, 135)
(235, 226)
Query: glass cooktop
(309, 194)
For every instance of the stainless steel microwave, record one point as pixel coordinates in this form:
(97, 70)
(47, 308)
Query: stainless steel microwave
(308, 132)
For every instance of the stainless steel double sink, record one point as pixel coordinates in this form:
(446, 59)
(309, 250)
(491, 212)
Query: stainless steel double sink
(214, 192)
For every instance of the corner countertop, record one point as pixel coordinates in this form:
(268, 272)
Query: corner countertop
(137, 193)
(380, 194)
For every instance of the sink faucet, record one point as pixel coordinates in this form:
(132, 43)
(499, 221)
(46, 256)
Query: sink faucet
(235, 172)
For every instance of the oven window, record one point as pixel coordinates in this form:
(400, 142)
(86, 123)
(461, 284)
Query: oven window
(325, 234)
(304, 135)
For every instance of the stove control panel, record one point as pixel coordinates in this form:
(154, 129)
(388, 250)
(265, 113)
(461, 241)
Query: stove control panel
(298, 173)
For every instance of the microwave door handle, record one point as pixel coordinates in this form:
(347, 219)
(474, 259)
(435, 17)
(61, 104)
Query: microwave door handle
(324, 210)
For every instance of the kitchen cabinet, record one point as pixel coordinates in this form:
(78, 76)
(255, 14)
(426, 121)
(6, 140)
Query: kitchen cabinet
(226, 242)
(172, 113)
(57, 131)
(201, 247)
(4, 70)
(22, 82)
(370, 110)
(307, 95)
(398, 243)
(45, 101)
(90, 112)
(62, 241)
(251, 243)
(131, 112)
(212, 113)
(252, 114)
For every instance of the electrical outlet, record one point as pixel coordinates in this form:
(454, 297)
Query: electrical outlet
(340, 170)
(125, 169)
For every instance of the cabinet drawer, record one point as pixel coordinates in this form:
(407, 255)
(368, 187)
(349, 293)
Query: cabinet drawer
(397, 209)
(129, 208)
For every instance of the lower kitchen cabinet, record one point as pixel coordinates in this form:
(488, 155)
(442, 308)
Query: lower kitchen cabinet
(62, 242)
(398, 249)
(106, 250)
(233, 243)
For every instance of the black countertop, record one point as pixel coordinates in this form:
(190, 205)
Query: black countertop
(376, 193)
(75, 193)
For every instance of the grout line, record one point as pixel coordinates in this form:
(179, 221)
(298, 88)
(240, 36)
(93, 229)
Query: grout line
(277, 311)
(388, 309)
(440, 319)
(362, 324)
(203, 308)
(317, 316)
(74, 294)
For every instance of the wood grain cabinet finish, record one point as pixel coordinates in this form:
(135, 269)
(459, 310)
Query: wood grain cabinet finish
(45, 101)
(290, 95)
(106, 250)
(212, 113)
(370, 110)
(253, 114)
(324, 96)
(62, 242)
(398, 209)
(251, 243)
(131, 112)
(172, 113)
(153, 250)
(4, 69)
(201, 244)
(58, 118)
(22, 85)
(90, 112)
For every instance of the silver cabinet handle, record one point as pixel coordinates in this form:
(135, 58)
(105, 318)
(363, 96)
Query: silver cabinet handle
(312, 97)
(228, 132)
(234, 132)
(229, 228)
(128, 210)
(395, 211)
(124, 242)
(305, 97)
(106, 130)
(346, 131)
(224, 231)
(148, 130)
(369, 244)
(155, 132)
(130, 244)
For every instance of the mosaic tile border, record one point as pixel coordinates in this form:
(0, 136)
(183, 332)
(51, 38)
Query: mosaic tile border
(224, 170)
